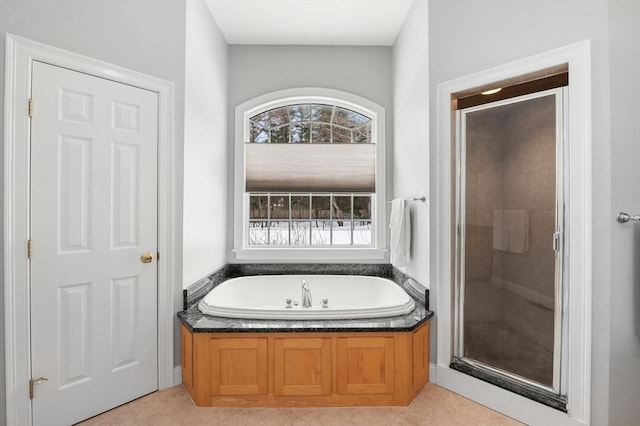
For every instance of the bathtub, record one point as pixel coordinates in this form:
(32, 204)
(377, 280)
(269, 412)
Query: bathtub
(347, 297)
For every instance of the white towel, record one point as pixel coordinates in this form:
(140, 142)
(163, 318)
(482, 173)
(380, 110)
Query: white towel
(511, 230)
(500, 235)
(400, 225)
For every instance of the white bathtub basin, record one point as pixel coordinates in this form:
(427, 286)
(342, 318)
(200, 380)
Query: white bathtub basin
(263, 297)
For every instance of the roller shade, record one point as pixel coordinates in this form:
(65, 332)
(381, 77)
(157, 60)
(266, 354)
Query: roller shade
(310, 167)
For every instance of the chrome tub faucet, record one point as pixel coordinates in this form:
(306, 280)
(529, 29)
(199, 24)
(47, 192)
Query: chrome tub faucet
(307, 301)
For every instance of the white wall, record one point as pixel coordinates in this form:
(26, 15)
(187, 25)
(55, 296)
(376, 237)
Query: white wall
(411, 130)
(469, 36)
(257, 70)
(624, 373)
(143, 35)
(205, 145)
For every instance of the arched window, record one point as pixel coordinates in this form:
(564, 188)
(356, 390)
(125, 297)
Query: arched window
(309, 176)
(310, 123)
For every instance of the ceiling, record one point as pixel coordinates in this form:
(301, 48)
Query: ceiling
(310, 22)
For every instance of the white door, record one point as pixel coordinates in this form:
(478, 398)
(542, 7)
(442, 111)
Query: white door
(93, 214)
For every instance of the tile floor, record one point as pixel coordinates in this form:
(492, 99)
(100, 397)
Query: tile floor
(173, 406)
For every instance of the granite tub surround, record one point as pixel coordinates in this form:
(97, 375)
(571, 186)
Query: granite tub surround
(373, 269)
(197, 322)
(305, 363)
(196, 291)
(411, 286)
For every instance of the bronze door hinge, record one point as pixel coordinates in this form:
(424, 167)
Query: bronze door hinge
(33, 382)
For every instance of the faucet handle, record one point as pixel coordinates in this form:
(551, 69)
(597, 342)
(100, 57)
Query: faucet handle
(288, 302)
(324, 303)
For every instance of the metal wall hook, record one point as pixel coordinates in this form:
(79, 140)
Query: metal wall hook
(623, 217)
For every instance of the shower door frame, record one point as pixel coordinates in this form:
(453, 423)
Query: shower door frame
(558, 387)
(577, 57)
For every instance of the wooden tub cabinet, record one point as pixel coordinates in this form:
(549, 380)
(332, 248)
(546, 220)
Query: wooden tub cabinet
(297, 369)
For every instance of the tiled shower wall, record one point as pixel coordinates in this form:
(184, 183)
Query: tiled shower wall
(484, 168)
(511, 166)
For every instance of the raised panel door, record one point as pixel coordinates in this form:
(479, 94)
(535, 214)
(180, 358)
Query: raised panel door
(365, 365)
(302, 366)
(93, 213)
(239, 366)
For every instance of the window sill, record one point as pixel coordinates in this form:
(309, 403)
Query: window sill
(336, 255)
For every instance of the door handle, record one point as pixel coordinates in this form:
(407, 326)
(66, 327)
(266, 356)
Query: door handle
(146, 257)
(623, 217)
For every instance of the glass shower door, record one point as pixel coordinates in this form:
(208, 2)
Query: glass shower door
(509, 234)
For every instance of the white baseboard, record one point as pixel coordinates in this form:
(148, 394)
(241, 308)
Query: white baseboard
(433, 377)
(503, 401)
(534, 296)
(177, 375)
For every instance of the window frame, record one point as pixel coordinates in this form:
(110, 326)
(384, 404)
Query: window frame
(377, 252)
(290, 220)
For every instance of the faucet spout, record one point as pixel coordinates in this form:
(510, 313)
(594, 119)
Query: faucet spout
(307, 300)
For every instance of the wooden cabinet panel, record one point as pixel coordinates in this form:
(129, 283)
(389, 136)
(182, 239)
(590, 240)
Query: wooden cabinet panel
(187, 358)
(421, 357)
(239, 366)
(297, 369)
(365, 365)
(302, 366)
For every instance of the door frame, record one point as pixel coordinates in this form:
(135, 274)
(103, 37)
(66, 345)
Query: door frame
(20, 54)
(559, 299)
(579, 228)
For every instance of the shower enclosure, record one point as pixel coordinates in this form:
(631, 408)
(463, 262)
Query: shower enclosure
(509, 231)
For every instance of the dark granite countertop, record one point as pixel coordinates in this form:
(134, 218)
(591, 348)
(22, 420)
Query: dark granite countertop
(197, 322)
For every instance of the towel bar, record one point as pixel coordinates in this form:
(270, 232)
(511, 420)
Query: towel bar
(623, 217)
(421, 199)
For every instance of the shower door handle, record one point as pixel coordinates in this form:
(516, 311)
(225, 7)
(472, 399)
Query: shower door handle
(623, 217)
